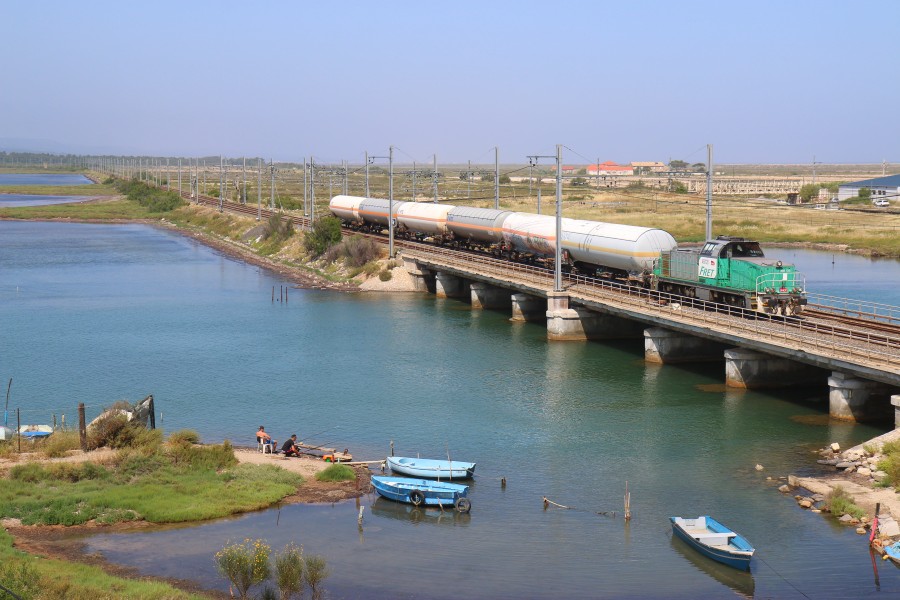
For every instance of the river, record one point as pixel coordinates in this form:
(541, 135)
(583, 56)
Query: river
(96, 313)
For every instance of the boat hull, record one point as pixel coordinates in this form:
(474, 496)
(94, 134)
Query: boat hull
(431, 469)
(428, 493)
(736, 553)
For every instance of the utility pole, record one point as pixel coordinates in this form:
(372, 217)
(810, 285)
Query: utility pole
(312, 191)
(167, 173)
(244, 181)
(179, 177)
(434, 179)
(469, 181)
(272, 170)
(258, 189)
(305, 191)
(709, 172)
(346, 175)
(557, 270)
(221, 183)
(367, 173)
(497, 177)
(414, 182)
(391, 202)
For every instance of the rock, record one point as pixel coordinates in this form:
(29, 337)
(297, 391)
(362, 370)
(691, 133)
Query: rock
(845, 518)
(759, 467)
(815, 510)
(768, 479)
(793, 481)
(784, 489)
(835, 447)
(879, 475)
(860, 530)
(817, 497)
(864, 471)
(844, 464)
(805, 503)
(888, 527)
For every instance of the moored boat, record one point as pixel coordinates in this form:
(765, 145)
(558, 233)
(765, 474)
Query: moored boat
(35, 431)
(430, 468)
(893, 552)
(714, 540)
(423, 492)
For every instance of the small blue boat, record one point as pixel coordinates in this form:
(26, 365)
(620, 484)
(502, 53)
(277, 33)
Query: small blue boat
(422, 492)
(430, 468)
(893, 552)
(712, 539)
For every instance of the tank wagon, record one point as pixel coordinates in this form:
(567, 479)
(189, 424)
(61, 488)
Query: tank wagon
(730, 271)
(733, 271)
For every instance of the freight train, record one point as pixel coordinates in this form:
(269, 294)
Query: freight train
(727, 270)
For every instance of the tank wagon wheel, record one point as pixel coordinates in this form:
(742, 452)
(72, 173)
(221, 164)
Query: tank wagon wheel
(463, 505)
(416, 497)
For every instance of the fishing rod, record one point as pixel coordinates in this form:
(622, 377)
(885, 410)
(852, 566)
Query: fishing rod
(315, 434)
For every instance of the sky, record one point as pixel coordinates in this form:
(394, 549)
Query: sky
(762, 81)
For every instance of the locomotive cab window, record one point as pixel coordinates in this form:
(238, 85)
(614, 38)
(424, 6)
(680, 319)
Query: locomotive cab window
(745, 250)
(709, 249)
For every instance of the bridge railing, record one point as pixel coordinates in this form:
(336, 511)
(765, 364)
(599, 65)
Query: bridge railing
(850, 307)
(875, 348)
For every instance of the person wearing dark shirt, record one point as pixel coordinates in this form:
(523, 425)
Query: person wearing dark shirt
(290, 447)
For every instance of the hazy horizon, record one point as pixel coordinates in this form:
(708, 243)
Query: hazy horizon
(763, 82)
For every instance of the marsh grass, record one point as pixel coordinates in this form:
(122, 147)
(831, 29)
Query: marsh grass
(336, 472)
(60, 443)
(839, 503)
(31, 577)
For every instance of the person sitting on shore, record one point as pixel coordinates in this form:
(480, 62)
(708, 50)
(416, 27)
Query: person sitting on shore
(264, 438)
(290, 447)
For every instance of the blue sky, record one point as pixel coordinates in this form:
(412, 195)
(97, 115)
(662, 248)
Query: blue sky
(764, 82)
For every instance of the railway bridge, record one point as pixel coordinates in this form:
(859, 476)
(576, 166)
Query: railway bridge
(855, 348)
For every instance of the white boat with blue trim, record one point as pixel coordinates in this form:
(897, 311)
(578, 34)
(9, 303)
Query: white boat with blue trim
(430, 468)
(712, 539)
(423, 492)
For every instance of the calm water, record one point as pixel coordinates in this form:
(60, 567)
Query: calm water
(43, 179)
(16, 200)
(94, 313)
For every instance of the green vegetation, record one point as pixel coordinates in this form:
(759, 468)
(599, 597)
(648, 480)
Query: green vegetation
(289, 571)
(336, 472)
(154, 199)
(890, 464)
(325, 234)
(30, 577)
(839, 502)
(244, 565)
(160, 483)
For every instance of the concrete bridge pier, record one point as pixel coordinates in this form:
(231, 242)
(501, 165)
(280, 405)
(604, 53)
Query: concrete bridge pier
(423, 279)
(448, 286)
(564, 323)
(489, 296)
(895, 402)
(665, 346)
(855, 399)
(526, 307)
(753, 370)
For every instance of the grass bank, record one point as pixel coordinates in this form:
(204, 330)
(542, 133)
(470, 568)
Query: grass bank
(31, 577)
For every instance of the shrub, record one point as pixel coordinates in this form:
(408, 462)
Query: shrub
(840, 503)
(336, 472)
(289, 569)
(213, 458)
(385, 275)
(184, 436)
(245, 564)
(325, 233)
(316, 572)
(115, 431)
(360, 250)
(22, 580)
(278, 229)
(60, 443)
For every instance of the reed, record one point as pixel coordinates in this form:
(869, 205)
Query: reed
(336, 472)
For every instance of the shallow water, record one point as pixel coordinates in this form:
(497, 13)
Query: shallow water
(17, 200)
(94, 313)
(43, 179)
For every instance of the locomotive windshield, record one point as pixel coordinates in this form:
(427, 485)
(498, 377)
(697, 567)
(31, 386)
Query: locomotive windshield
(744, 250)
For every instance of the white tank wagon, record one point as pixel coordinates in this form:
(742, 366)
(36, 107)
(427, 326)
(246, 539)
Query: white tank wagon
(426, 218)
(529, 233)
(625, 248)
(483, 225)
(376, 210)
(346, 208)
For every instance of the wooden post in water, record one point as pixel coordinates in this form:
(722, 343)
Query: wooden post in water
(273, 294)
(627, 503)
(19, 429)
(152, 413)
(82, 428)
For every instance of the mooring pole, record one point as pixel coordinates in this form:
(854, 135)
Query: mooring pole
(152, 413)
(82, 428)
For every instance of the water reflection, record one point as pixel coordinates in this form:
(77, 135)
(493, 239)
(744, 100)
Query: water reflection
(416, 515)
(740, 581)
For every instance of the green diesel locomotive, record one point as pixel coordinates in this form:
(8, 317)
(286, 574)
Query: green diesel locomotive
(732, 271)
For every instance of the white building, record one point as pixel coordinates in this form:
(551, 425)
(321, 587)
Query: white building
(887, 188)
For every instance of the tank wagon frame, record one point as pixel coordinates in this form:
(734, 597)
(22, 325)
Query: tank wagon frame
(727, 270)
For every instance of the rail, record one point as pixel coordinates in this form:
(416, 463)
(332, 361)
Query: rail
(873, 349)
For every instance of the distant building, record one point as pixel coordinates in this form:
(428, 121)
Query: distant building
(609, 168)
(568, 169)
(644, 168)
(881, 187)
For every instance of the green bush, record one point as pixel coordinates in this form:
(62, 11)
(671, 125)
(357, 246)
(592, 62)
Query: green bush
(839, 502)
(153, 199)
(21, 579)
(289, 568)
(316, 572)
(278, 229)
(244, 565)
(184, 436)
(385, 275)
(336, 472)
(360, 250)
(60, 443)
(325, 233)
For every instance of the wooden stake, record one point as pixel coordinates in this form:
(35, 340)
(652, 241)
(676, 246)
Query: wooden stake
(627, 503)
(82, 428)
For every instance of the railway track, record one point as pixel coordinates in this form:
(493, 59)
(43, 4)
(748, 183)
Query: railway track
(859, 329)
